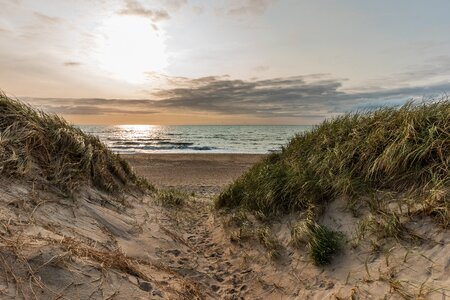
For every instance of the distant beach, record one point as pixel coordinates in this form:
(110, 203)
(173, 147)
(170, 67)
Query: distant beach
(203, 174)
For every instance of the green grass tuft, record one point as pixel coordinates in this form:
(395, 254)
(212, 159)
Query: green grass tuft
(324, 243)
(45, 148)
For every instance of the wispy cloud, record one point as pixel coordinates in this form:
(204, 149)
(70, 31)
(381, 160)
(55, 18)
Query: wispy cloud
(94, 106)
(135, 8)
(433, 69)
(72, 64)
(93, 110)
(248, 7)
(174, 4)
(47, 19)
(261, 68)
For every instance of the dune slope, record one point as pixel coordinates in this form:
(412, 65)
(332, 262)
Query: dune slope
(358, 196)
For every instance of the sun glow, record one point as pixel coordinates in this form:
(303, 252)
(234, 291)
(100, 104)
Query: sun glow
(129, 47)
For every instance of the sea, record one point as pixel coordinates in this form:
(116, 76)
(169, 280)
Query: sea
(133, 139)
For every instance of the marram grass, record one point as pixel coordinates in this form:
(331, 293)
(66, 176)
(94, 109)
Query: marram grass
(402, 150)
(171, 198)
(44, 147)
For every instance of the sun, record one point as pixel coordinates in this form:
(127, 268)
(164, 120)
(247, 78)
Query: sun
(129, 47)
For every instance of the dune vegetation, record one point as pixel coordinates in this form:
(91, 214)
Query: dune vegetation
(367, 158)
(46, 149)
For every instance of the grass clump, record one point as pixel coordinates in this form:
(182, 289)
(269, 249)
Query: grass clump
(402, 150)
(324, 243)
(45, 148)
(171, 198)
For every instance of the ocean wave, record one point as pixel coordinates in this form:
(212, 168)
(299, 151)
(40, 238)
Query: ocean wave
(163, 148)
(224, 139)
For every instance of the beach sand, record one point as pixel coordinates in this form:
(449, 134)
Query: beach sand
(203, 174)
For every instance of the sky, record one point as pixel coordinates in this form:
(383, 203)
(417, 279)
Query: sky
(222, 61)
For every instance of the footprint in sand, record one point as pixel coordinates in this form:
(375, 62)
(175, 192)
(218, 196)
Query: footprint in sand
(174, 252)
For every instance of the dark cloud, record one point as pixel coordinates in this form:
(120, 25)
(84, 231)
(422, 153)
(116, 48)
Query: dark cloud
(72, 63)
(314, 96)
(284, 97)
(272, 97)
(135, 8)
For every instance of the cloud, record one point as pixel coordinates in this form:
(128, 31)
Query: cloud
(314, 96)
(93, 110)
(92, 106)
(248, 7)
(175, 4)
(135, 8)
(197, 9)
(72, 64)
(17, 2)
(289, 97)
(261, 68)
(431, 70)
(47, 19)
(298, 96)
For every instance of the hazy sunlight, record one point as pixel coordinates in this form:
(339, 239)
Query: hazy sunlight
(130, 47)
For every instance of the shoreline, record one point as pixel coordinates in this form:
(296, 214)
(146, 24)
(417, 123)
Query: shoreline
(200, 173)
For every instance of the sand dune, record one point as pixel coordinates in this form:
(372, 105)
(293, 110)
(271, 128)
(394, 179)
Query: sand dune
(55, 247)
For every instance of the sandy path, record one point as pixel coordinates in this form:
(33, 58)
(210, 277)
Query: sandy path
(210, 261)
